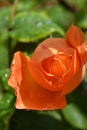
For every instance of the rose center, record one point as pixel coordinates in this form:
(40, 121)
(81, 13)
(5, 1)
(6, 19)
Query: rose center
(57, 65)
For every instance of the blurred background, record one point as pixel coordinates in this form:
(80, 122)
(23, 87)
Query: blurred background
(23, 25)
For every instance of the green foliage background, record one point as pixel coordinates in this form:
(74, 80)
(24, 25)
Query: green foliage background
(32, 22)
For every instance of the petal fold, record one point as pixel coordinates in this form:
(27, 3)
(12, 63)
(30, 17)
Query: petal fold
(75, 81)
(77, 39)
(31, 95)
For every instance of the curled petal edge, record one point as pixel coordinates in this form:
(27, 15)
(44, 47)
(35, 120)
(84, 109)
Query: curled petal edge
(29, 94)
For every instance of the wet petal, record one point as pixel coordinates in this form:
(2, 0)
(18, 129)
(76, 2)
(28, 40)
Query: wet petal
(29, 94)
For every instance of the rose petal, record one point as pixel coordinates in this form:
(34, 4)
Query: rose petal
(75, 81)
(29, 94)
(76, 38)
(48, 48)
(42, 78)
(73, 68)
(50, 82)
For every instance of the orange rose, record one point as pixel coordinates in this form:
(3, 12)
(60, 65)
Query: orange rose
(56, 68)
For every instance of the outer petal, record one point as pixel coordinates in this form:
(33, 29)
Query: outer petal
(73, 69)
(76, 38)
(48, 48)
(75, 81)
(29, 94)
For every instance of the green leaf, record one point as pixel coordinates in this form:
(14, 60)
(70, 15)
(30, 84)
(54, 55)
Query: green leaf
(2, 125)
(3, 57)
(4, 35)
(30, 27)
(76, 111)
(6, 100)
(60, 16)
(86, 35)
(4, 74)
(6, 93)
(78, 4)
(75, 117)
(6, 108)
(85, 78)
(31, 120)
(4, 18)
(82, 23)
(54, 114)
(25, 6)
